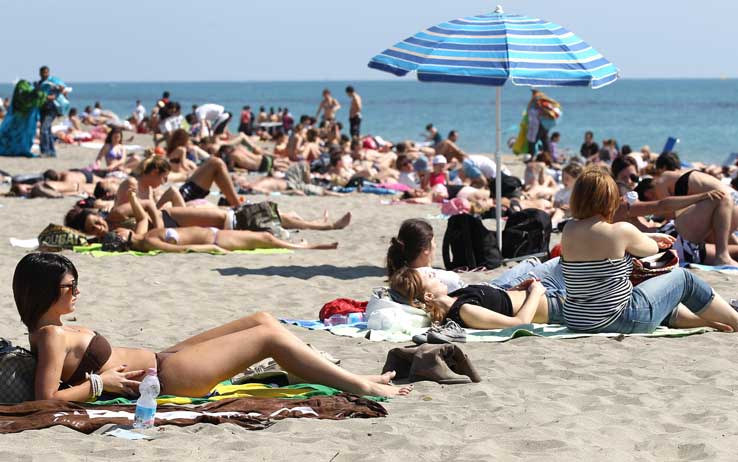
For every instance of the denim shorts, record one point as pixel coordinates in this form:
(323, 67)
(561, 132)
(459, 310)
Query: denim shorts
(655, 301)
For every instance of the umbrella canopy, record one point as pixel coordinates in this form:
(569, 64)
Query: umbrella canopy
(491, 49)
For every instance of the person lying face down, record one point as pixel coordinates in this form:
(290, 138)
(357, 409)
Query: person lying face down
(46, 288)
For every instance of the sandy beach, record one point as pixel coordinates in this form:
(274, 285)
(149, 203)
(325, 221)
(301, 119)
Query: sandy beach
(540, 399)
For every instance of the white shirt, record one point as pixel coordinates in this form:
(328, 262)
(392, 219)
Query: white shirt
(139, 113)
(485, 164)
(448, 278)
(97, 112)
(409, 179)
(209, 112)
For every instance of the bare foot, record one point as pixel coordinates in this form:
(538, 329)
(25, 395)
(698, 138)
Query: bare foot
(343, 221)
(379, 389)
(331, 246)
(727, 261)
(385, 378)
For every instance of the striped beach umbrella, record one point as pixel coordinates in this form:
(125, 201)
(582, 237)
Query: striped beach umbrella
(492, 49)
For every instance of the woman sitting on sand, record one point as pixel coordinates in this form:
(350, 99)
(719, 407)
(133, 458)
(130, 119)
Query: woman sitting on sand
(193, 238)
(45, 287)
(596, 260)
(114, 153)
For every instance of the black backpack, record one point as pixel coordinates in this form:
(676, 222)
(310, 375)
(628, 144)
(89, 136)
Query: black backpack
(468, 243)
(511, 186)
(527, 232)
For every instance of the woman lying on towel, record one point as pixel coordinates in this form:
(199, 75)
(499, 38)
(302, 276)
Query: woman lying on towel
(502, 302)
(475, 306)
(596, 260)
(45, 287)
(193, 238)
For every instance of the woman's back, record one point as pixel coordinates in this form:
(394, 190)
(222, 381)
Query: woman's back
(592, 239)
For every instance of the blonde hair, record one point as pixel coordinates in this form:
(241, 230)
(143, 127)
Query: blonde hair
(408, 282)
(594, 193)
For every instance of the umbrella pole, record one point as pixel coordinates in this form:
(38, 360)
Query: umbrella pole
(498, 159)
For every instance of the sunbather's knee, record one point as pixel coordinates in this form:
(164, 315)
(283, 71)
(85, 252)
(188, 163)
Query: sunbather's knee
(264, 318)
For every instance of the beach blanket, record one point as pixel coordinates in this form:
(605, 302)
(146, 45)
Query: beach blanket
(725, 269)
(96, 251)
(249, 413)
(474, 335)
(227, 390)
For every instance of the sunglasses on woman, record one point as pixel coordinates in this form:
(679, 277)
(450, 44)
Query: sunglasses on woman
(72, 285)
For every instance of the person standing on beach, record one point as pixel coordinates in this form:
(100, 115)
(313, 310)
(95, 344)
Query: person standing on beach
(49, 112)
(247, 119)
(139, 112)
(589, 147)
(537, 130)
(329, 106)
(354, 112)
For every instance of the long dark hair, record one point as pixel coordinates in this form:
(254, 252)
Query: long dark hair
(36, 284)
(414, 237)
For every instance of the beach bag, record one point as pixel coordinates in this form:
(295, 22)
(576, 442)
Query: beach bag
(263, 216)
(526, 232)
(468, 244)
(655, 265)
(56, 237)
(17, 373)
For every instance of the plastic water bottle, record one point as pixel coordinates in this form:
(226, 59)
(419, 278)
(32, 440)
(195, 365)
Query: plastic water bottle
(146, 403)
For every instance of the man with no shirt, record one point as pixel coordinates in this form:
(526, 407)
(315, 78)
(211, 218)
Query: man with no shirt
(354, 112)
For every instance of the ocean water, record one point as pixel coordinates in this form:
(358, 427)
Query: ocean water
(703, 114)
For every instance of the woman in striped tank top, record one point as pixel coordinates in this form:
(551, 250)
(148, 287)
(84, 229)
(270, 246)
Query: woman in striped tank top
(596, 260)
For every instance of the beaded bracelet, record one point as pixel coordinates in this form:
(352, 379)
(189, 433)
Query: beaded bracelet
(97, 384)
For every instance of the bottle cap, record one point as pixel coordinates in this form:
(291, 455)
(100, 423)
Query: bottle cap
(151, 371)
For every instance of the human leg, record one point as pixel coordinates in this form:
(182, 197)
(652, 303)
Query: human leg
(173, 196)
(204, 360)
(291, 220)
(46, 143)
(249, 240)
(660, 297)
(198, 216)
(700, 220)
(214, 170)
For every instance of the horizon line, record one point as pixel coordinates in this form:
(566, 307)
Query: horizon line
(401, 79)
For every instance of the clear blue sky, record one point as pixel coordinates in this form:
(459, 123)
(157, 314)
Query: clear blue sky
(185, 40)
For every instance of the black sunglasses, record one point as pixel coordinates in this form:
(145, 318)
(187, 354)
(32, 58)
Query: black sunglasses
(73, 285)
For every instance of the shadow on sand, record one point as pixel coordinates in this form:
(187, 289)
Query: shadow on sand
(306, 272)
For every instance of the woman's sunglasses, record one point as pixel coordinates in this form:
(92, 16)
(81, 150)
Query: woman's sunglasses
(72, 285)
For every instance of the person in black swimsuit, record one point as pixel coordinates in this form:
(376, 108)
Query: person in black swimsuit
(45, 288)
(474, 306)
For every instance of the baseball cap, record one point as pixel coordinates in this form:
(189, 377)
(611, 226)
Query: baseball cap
(439, 159)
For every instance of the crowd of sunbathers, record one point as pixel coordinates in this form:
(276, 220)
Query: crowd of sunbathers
(613, 205)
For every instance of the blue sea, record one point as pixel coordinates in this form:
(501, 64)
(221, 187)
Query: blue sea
(703, 114)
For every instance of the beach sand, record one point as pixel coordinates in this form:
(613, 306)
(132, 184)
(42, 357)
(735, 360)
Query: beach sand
(540, 399)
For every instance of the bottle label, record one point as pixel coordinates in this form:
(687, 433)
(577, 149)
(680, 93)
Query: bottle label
(144, 417)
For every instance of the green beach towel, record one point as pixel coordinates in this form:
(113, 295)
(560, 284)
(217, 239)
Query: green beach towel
(226, 389)
(96, 251)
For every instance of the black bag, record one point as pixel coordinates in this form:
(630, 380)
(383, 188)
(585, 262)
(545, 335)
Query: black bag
(17, 373)
(527, 232)
(467, 243)
(511, 186)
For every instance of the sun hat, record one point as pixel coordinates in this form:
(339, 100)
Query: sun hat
(421, 164)
(439, 159)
